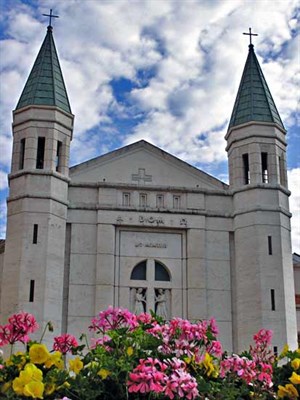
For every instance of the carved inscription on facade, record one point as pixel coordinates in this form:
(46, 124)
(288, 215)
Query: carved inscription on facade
(155, 245)
(151, 220)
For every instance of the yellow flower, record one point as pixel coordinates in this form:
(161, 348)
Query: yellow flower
(284, 350)
(30, 373)
(35, 389)
(104, 373)
(295, 378)
(76, 365)
(129, 351)
(296, 363)
(32, 370)
(208, 365)
(38, 353)
(50, 388)
(288, 390)
(54, 359)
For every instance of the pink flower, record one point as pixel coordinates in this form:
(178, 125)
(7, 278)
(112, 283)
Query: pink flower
(101, 342)
(263, 337)
(180, 382)
(145, 318)
(215, 348)
(18, 328)
(114, 318)
(147, 377)
(64, 343)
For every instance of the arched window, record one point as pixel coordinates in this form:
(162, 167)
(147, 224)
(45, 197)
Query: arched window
(139, 272)
(161, 273)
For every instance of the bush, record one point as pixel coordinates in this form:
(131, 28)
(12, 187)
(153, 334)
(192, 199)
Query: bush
(136, 357)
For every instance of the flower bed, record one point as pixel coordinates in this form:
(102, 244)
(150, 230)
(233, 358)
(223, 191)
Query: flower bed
(143, 357)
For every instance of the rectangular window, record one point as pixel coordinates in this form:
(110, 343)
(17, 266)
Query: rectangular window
(58, 156)
(35, 233)
(143, 200)
(40, 153)
(281, 171)
(246, 169)
(31, 291)
(22, 154)
(275, 351)
(264, 167)
(176, 202)
(270, 249)
(159, 201)
(273, 299)
(126, 199)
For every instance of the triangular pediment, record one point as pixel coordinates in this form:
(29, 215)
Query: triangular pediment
(141, 163)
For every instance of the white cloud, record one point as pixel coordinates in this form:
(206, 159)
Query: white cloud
(2, 219)
(196, 54)
(294, 179)
(3, 180)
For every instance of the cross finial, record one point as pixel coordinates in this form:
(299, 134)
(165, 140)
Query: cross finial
(50, 16)
(250, 34)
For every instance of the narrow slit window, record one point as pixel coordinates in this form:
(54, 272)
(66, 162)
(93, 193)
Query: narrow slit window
(58, 161)
(31, 291)
(22, 154)
(275, 351)
(270, 247)
(159, 201)
(143, 200)
(246, 169)
(273, 299)
(40, 153)
(264, 167)
(35, 233)
(176, 202)
(281, 171)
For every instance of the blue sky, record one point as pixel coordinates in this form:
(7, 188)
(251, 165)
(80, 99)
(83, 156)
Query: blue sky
(161, 70)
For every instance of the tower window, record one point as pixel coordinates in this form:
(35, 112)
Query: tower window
(273, 299)
(40, 153)
(159, 201)
(270, 249)
(246, 169)
(176, 202)
(58, 156)
(275, 351)
(31, 291)
(126, 199)
(22, 154)
(143, 200)
(35, 233)
(281, 171)
(264, 167)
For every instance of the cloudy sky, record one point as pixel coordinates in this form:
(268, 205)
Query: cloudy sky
(166, 71)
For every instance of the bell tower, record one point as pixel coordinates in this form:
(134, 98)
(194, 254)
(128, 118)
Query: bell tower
(38, 193)
(263, 291)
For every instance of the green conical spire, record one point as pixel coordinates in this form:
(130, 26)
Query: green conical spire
(254, 101)
(45, 85)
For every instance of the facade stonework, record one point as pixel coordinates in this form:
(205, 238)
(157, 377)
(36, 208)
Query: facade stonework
(141, 229)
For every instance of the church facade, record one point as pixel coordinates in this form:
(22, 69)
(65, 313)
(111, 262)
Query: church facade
(141, 229)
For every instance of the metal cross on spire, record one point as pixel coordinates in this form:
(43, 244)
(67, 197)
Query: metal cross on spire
(50, 16)
(250, 34)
